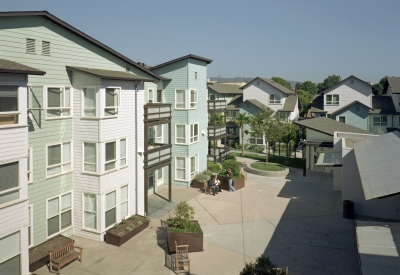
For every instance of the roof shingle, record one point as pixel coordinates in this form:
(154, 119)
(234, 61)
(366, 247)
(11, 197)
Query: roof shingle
(290, 104)
(8, 66)
(108, 74)
(223, 88)
(382, 105)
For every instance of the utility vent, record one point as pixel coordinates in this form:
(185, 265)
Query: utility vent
(45, 48)
(30, 45)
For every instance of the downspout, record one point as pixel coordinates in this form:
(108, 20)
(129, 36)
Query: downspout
(136, 146)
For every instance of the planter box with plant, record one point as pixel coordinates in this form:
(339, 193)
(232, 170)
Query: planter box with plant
(201, 178)
(126, 229)
(238, 179)
(184, 230)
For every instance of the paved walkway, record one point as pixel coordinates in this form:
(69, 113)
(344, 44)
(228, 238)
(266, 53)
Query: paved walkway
(296, 221)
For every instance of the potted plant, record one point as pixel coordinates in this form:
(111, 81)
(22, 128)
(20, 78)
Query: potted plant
(184, 230)
(126, 229)
(238, 179)
(150, 145)
(200, 179)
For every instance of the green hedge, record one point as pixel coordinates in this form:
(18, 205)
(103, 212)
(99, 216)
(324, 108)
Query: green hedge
(292, 162)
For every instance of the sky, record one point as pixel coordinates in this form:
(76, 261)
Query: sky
(297, 40)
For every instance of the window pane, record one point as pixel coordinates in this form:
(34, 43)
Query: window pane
(150, 96)
(11, 196)
(90, 202)
(66, 219)
(54, 170)
(159, 96)
(110, 166)
(192, 164)
(9, 176)
(123, 148)
(159, 174)
(53, 155)
(110, 151)
(193, 96)
(12, 242)
(110, 200)
(196, 129)
(180, 162)
(53, 225)
(54, 97)
(159, 131)
(111, 97)
(52, 207)
(180, 99)
(110, 217)
(8, 98)
(90, 220)
(124, 193)
(89, 97)
(67, 92)
(180, 133)
(65, 201)
(11, 266)
(90, 152)
(66, 152)
(335, 98)
(180, 174)
(124, 210)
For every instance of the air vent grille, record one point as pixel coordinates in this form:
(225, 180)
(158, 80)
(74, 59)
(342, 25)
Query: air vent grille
(30, 45)
(45, 48)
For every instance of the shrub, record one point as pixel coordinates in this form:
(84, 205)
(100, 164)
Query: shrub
(213, 167)
(237, 146)
(183, 213)
(139, 222)
(116, 225)
(148, 219)
(133, 217)
(121, 234)
(208, 173)
(233, 165)
(261, 266)
(258, 148)
(131, 225)
(201, 177)
(123, 221)
(230, 157)
(128, 228)
(246, 146)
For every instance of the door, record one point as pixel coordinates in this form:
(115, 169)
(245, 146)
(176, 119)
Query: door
(152, 184)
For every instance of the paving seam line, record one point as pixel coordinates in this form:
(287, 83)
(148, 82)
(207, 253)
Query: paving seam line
(207, 211)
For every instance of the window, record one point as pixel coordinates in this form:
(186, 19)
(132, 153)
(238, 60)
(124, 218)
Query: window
(90, 157)
(159, 96)
(212, 97)
(156, 134)
(45, 48)
(231, 131)
(194, 133)
(194, 169)
(30, 46)
(30, 164)
(180, 99)
(110, 156)
(193, 99)
(89, 102)
(328, 115)
(380, 120)
(9, 182)
(111, 211)
(274, 99)
(180, 136)
(10, 258)
(59, 158)
(256, 139)
(124, 201)
(59, 214)
(8, 105)
(332, 100)
(30, 230)
(58, 102)
(399, 120)
(150, 96)
(111, 101)
(342, 119)
(195, 75)
(90, 211)
(180, 166)
(282, 116)
(185, 99)
(231, 115)
(122, 153)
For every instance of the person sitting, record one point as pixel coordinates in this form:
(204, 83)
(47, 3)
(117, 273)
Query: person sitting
(211, 184)
(218, 184)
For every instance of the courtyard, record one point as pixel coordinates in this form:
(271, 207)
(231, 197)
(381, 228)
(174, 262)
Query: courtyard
(295, 221)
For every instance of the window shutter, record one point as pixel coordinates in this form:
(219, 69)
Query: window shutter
(45, 48)
(30, 46)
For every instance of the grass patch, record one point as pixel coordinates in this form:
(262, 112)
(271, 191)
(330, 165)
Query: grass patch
(193, 228)
(269, 167)
(292, 162)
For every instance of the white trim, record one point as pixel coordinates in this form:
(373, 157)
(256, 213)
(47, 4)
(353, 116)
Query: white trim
(83, 158)
(115, 107)
(176, 136)
(126, 201)
(338, 118)
(96, 88)
(62, 107)
(148, 95)
(255, 139)
(105, 209)
(30, 215)
(190, 98)
(20, 248)
(196, 168)
(110, 161)
(30, 165)
(126, 153)
(185, 173)
(331, 101)
(190, 133)
(59, 213)
(274, 101)
(162, 96)
(19, 86)
(184, 102)
(380, 120)
(61, 164)
(14, 189)
(83, 213)
(187, 101)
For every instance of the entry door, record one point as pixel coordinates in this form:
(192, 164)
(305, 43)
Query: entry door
(152, 182)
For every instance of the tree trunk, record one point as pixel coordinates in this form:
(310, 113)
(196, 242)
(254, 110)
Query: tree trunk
(279, 149)
(242, 140)
(287, 152)
(266, 154)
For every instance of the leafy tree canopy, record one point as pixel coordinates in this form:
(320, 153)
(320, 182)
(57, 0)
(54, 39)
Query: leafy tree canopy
(378, 87)
(309, 87)
(261, 266)
(305, 99)
(282, 81)
(328, 82)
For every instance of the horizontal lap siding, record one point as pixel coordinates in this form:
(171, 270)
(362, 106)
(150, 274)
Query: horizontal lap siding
(262, 93)
(355, 118)
(249, 111)
(13, 218)
(13, 143)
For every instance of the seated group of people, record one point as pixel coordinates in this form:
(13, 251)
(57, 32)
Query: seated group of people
(215, 184)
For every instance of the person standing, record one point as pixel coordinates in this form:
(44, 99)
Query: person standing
(230, 180)
(211, 184)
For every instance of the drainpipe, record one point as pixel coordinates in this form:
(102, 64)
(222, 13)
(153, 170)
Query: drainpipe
(136, 146)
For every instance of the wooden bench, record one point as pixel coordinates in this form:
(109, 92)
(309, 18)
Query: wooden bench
(64, 255)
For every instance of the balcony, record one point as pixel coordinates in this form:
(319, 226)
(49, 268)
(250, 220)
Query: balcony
(157, 154)
(216, 105)
(216, 131)
(218, 154)
(157, 112)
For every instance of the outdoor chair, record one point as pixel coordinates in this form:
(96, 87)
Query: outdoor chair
(207, 188)
(182, 258)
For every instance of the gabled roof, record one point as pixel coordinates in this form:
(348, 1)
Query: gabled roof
(394, 84)
(341, 82)
(208, 61)
(77, 32)
(378, 161)
(222, 88)
(317, 105)
(108, 74)
(328, 126)
(7, 66)
(257, 103)
(290, 104)
(233, 104)
(349, 105)
(272, 83)
(382, 105)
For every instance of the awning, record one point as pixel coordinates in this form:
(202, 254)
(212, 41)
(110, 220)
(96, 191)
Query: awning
(329, 159)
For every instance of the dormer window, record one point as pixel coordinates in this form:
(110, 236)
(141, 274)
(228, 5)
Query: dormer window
(274, 99)
(332, 100)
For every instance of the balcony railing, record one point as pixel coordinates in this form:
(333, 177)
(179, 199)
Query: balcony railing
(216, 131)
(157, 155)
(216, 105)
(220, 153)
(7, 118)
(157, 111)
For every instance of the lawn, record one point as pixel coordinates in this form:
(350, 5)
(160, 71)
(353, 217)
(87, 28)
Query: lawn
(291, 162)
(269, 167)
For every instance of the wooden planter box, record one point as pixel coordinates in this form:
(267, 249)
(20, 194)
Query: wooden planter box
(113, 239)
(197, 184)
(237, 183)
(194, 240)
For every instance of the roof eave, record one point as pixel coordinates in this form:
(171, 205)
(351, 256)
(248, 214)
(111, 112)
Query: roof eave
(110, 78)
(22, 72)
(208, 61)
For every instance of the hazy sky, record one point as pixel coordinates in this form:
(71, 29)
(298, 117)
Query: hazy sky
(297, 40)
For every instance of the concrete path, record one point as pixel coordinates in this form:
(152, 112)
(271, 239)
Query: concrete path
(296, 222)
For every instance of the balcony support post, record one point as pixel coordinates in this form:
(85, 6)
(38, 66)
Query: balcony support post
(169, 182)
(146, 171)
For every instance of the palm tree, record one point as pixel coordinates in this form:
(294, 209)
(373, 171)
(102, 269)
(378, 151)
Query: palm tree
(240, 121)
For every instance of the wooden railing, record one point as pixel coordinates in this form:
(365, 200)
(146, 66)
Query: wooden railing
(214, 105)
(157, 111)
(216, 131)
(157, 155)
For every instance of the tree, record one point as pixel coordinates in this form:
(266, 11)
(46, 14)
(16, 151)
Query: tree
(378, 87)
(290, 133)
(241, 120)
(261, 266)
(282, 81)
(328, 82)
(297, 86)
(309, 87)
(305, 99)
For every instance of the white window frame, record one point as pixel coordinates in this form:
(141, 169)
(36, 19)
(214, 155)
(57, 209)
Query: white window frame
(193, 104)
(126, 153)
(88, 211)
(152, 95)
(14, 189)
(83, 158)
(30, 165)
(176, 136)
(184, 102)
(96, 88)
(115, 107)
(188, 104)
(16, 113)
(176, 168)
(61, 164)
(110, 161)
(273, 100)
(380, 123)
(194, 173)
(331, 101)
(229, 115)
(256, 139)
(30, 225)
(20, 248)
(62, 107)
(338, 118)
(194, 138)
(108, 209)
(60, 211)
(122, 202)
(156, 96)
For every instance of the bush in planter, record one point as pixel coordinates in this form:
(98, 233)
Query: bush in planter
(133, 217)
(201, 177)
(230, 157)
(262, 266)
(182, 220)
(116, 226)
(208, 173)
(233, 165)
(139, 222)
(123, 221)
(213, 167)
(121, 234)
(128, 228)
(131, 225)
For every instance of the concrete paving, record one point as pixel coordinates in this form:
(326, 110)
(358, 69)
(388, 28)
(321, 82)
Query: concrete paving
(296, 222)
